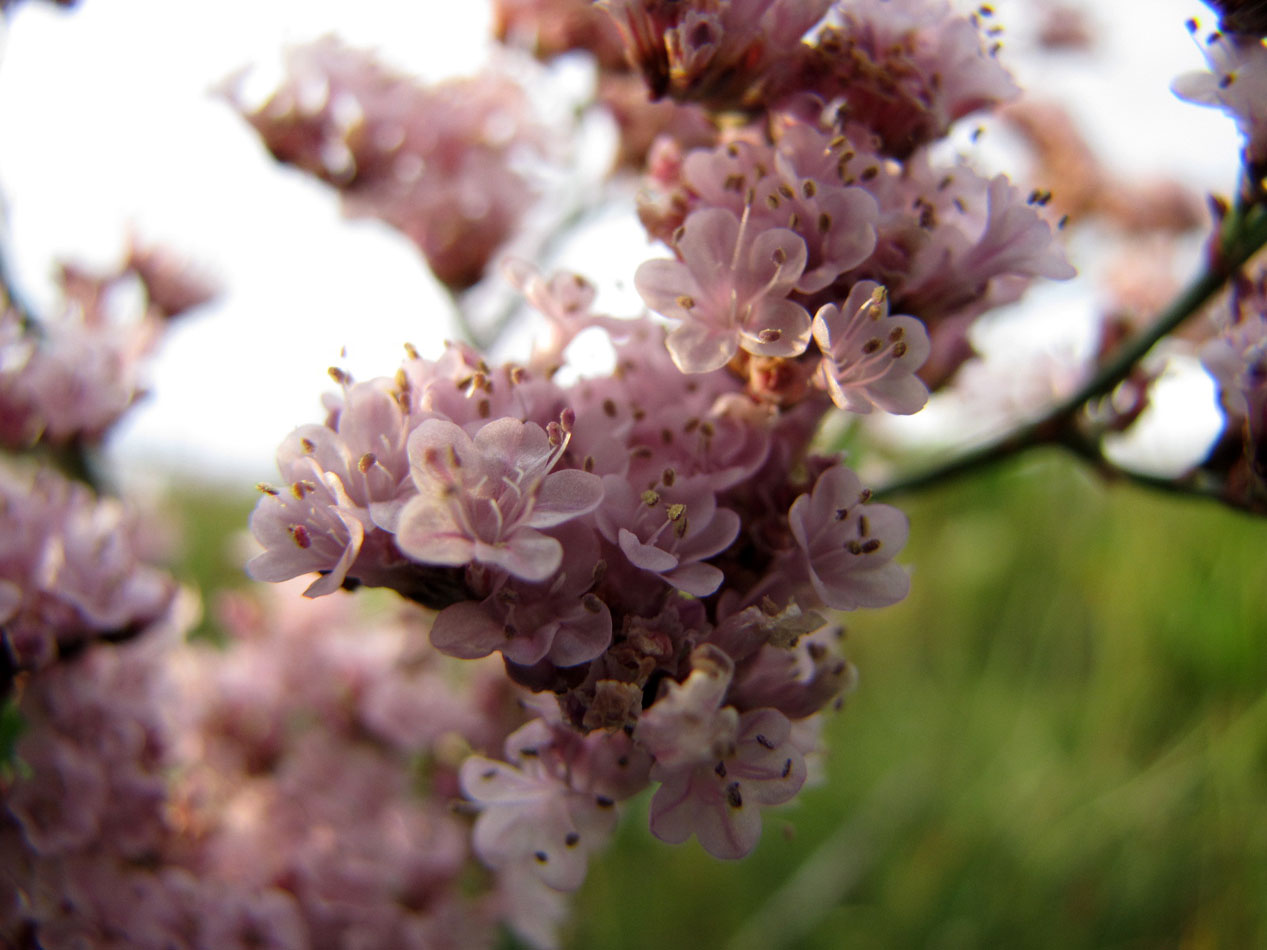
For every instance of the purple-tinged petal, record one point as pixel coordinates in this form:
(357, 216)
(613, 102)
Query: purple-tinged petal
(466, 631)
(529, 554)
(697, 579)
(565, 495)
(646, 556)
(701, 348)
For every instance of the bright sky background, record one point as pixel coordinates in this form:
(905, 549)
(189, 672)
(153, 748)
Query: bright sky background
(110, 125)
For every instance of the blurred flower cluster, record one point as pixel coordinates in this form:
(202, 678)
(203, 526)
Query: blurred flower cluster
(609, 582)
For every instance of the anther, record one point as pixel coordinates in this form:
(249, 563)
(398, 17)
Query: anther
(770, 335)
(872, 345)
(675, 512)
(685, 301)
(899, 350)
(734, 798)
(266, 488)
(808, 188)
(366, 462)
(871, 545)
(300, 535)
(650, 498)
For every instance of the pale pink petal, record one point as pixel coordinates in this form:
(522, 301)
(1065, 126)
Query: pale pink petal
(564, 495)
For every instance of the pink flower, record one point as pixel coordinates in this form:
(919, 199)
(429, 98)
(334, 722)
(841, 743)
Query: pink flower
(847, 547)
(483, 499)
(670, 530)
(908, 68)
(441, 164)
(535, 809)
(310, 526)
(787, 187)
(719, 53)
(688, 725)
(869, 357)
(559, 620)
(729, 290)
(1237, 84)
(718, 801)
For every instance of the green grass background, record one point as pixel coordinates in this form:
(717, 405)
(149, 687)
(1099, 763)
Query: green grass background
(1059, 740)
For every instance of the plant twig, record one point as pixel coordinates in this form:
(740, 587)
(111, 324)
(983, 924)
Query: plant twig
(1244, 233)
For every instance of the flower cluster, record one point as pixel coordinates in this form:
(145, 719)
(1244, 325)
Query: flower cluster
(289, 790)
(73, 569)
(609, 539)
(69, 379)
(649, 551)
(440, 164)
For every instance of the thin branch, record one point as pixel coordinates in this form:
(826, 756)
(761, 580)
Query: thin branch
(1245, 232)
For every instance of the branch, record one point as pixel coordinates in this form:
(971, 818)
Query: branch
(1244, 232)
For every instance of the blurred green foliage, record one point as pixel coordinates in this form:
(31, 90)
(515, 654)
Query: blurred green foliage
(1059, 740)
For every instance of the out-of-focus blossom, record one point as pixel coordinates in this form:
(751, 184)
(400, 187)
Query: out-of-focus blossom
(440, 164)
(548, 28)
(71, 570)
(69, 378)
(1237, 360)
(1080, 186)
(907, 68)
(1237, 84)
(723, 54)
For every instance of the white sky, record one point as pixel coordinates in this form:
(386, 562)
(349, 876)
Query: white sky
(109, 125)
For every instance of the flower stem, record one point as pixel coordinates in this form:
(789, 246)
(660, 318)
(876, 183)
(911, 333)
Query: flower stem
(1244, 232)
